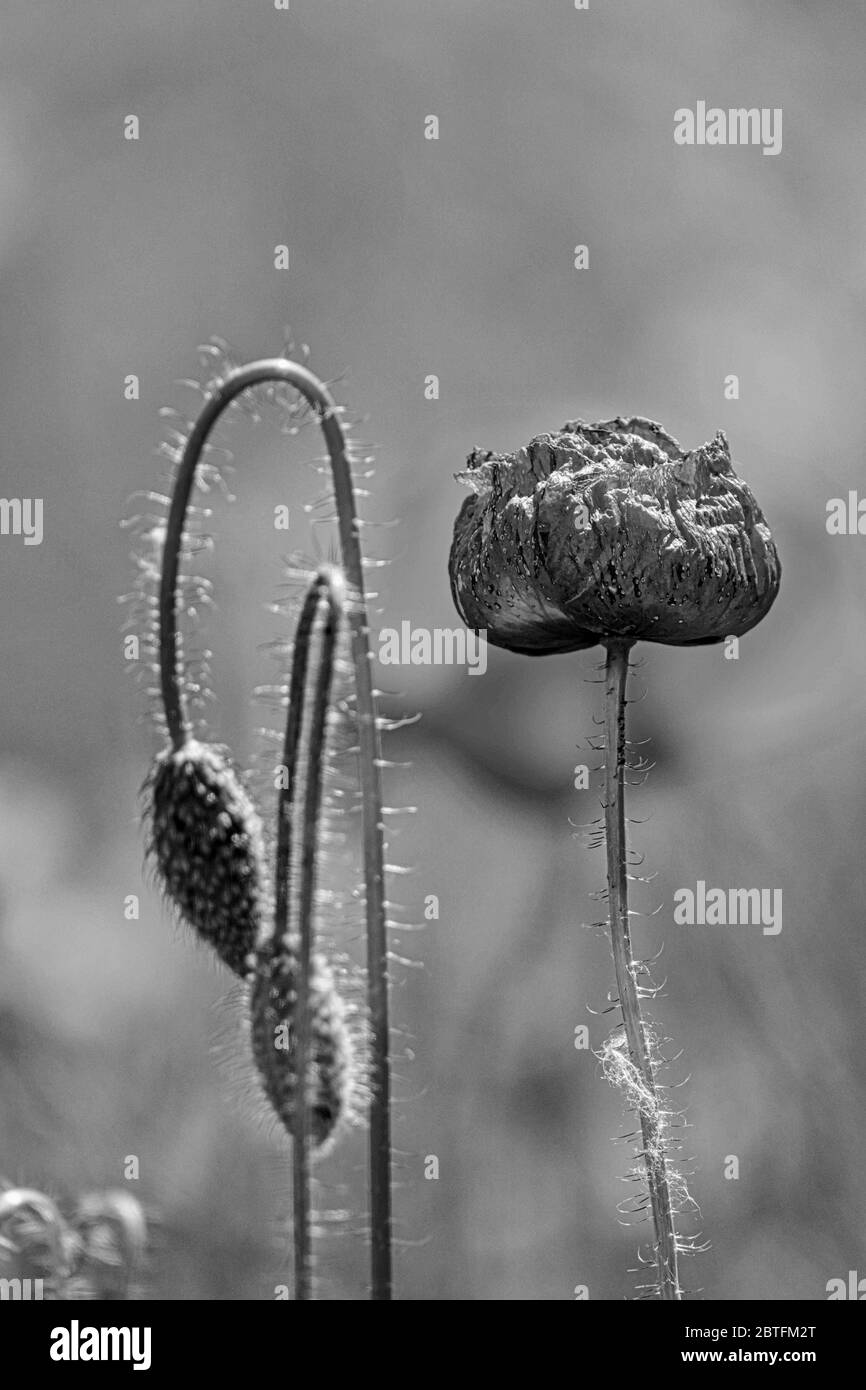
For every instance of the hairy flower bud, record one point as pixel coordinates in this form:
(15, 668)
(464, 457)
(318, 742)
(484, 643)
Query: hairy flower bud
(206, 844)
(331, 1078)
(610, 530)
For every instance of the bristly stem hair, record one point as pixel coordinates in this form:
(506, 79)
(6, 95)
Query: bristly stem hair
(292, 374)
(639, 1046)
(317, 632)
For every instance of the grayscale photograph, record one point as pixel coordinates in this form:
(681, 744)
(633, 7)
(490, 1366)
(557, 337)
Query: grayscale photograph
(433, 558)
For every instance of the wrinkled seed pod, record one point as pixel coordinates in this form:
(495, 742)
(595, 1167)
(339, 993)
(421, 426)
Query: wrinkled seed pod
(332, 1065)
(205, 840)
(610, 530)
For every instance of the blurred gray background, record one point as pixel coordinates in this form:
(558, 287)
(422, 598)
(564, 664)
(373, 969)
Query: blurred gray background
(454, 257)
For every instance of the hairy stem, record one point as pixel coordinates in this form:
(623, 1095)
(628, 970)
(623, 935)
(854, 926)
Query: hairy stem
(280, 369)
(616, 675)
(318, 626)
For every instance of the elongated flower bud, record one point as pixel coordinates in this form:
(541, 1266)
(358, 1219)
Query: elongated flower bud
(331, 1066)
(298, 1018)
(206, 843)
(610, 531)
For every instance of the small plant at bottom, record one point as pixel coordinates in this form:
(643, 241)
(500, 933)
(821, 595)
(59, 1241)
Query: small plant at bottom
(97, 1252)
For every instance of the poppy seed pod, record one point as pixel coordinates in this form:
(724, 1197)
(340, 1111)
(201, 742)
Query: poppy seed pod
(609, 531)
(207, 846)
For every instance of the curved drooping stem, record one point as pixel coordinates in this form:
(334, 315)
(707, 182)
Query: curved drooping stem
(270, 370)
(645, 1092)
